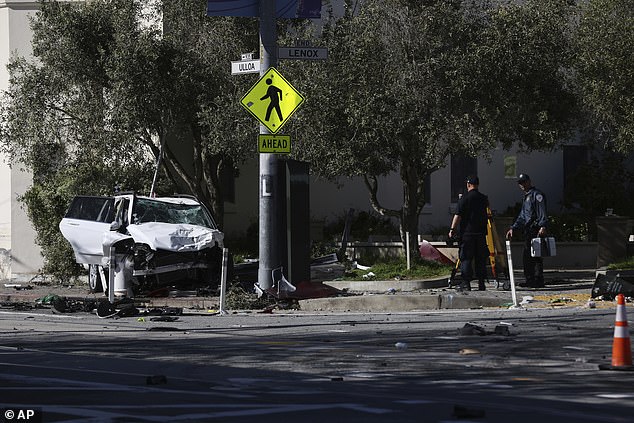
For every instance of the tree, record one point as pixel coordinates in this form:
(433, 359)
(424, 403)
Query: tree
(409, 83)
(605, 70)
(109, 92)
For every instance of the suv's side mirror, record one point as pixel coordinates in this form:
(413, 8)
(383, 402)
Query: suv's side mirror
(115, 226)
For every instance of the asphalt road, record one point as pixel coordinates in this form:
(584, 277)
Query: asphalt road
(542, 365)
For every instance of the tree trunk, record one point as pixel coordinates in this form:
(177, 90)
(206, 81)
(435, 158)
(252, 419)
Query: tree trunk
(410, 176)
(413, 180)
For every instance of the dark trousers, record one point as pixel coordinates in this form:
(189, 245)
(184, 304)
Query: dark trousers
(533, 266)
(473, 253)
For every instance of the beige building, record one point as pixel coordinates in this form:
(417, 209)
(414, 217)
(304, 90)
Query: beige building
(19, 256)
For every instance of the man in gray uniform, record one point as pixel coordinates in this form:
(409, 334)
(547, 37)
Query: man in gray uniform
(533, 220)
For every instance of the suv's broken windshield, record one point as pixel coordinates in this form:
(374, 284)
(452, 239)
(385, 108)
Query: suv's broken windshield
(147, 210)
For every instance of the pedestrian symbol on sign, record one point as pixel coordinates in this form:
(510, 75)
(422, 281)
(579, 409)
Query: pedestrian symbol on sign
(272, 93)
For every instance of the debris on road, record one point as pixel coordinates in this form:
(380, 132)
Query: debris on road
(608, 286)
(470, 329)
(68, 305)
(164, 311)
(17, 286)
(527, 299)
(401, 345)
(561, 301)
(164, 329)
(502, 330)
(164, 319)
(468, 351)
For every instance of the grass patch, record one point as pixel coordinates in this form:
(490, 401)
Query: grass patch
(627, 264)
(397, 269)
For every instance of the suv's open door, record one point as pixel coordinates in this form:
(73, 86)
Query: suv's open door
(87, 219)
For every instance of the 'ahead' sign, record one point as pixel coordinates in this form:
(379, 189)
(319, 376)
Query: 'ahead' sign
(280, 144)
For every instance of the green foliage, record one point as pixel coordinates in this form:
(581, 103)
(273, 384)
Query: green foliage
(565, 227)
(323, 248)
(397, 269)
(625, 264)
(416, 84)
(45, 209)
(605, 71)
(573, 227)
(522, 67)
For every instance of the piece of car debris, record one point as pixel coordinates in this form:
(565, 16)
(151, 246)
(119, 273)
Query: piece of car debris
(471, 329)
(164, 319)
(164, 329)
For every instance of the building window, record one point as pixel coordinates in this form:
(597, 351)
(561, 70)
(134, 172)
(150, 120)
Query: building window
(461, 167)
(510, 167)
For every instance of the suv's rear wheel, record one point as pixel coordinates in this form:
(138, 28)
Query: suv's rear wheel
(94, 278)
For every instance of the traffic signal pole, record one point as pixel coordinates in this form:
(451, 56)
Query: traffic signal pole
(269, 217)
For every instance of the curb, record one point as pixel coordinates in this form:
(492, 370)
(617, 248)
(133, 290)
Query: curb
(385, 285)
(388, 303)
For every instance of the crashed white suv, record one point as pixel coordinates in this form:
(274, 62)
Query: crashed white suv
(154, 242)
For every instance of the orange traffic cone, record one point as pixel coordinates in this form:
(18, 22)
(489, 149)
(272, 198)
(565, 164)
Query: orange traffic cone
(621, 347)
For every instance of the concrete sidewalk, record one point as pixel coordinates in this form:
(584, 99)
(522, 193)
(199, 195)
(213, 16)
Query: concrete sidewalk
(563, 289)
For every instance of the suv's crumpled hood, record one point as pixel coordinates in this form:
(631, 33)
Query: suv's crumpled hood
(175, 237)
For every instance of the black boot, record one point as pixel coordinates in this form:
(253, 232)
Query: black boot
(481, 286)
(464, 286)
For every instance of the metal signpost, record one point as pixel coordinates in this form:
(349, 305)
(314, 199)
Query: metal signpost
(269, 220)
(272, 100)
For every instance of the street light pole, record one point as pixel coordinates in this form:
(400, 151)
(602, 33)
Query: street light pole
(269, 218)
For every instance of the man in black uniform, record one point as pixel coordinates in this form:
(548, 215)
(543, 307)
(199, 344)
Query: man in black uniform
(533, 221)
(472, 218)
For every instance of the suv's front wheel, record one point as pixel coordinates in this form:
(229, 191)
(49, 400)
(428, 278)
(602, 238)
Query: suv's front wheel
(95, 283)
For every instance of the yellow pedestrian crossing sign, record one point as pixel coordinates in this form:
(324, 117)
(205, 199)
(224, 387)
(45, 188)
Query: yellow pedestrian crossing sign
(272, 100)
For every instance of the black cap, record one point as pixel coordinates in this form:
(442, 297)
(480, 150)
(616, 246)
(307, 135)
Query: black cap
(523, 178)
(473, 180)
